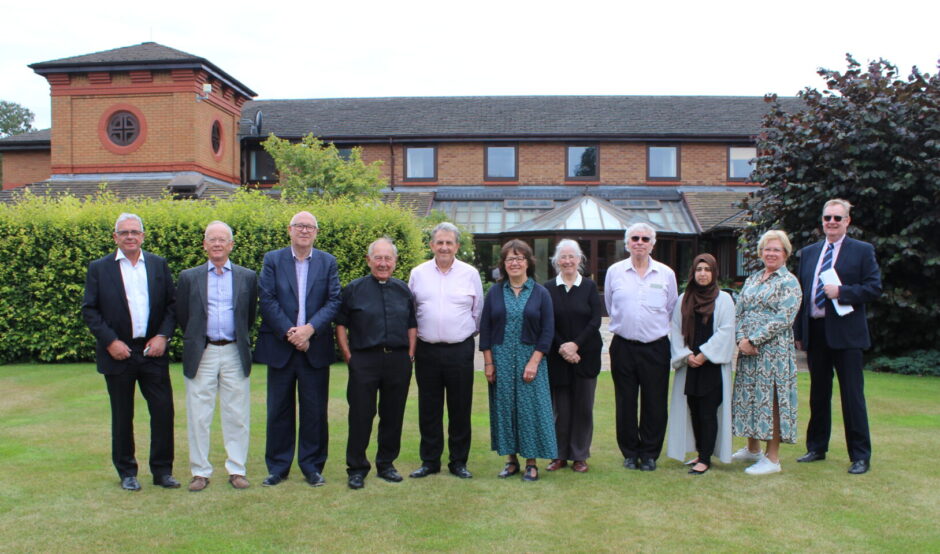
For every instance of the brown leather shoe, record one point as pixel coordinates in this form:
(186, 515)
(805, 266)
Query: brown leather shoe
(198, 483)
(239, 481)
(580, 467)
(556, 464)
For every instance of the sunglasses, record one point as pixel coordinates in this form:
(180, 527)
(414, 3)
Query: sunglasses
(828, 218)
(637, 238)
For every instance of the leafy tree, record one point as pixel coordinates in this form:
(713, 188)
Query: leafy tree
(873, 139)
(14, 119)
(312, 169)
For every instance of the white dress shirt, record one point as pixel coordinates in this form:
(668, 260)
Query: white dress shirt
(135, 288)
(640, 307)
(448, 304)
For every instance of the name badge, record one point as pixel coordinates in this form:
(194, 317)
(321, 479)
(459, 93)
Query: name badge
(656, 285)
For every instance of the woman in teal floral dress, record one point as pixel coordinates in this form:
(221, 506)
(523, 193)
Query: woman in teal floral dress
(516, 331)
(764, 398)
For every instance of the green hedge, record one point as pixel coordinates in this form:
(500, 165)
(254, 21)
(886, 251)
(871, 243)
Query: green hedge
(47, 242)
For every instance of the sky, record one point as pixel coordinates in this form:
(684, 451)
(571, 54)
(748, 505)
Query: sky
(369, 48)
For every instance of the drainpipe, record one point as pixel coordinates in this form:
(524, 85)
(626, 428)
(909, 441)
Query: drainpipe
(391, 157)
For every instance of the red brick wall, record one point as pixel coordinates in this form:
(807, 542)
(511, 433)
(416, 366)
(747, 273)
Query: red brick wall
(23, 168)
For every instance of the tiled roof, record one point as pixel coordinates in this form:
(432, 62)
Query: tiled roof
(716, 209)
(514, 117)
(418, 203)
(32, 140)
(122, 187)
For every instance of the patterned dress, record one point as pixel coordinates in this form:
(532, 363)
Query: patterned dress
(521, 420)
(765, 314)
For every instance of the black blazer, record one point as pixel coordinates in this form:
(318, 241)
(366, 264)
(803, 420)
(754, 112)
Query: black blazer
(105, 311)
(577, 319)
(861, 283)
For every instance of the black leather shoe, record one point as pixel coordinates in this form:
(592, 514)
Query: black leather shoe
(356, 481)
(391, 475)
(630, 463)
(531, 473)
(859, 467)
(272, 480)
(130, 483)
(461, 471)
(510, 469)
(315, 479)
(812, 456)
(648, 464)
(423, 471)
(166, 481)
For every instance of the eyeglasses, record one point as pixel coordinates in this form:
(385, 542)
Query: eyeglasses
(637, 238)
(828, 218)
(132, 233)
(386, 259)
(218, 241)
(773, 250)
(515, 259)
(304, 227)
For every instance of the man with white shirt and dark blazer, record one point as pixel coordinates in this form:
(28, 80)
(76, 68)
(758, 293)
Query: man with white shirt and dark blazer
(128, 306)
(836, 341)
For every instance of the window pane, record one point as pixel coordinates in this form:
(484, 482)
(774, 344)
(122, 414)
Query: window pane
(662, 162)
(501, 161)
(740, 162)
(582, 161)
(420, 163)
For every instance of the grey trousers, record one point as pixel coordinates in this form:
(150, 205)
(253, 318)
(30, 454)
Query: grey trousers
(574, 418)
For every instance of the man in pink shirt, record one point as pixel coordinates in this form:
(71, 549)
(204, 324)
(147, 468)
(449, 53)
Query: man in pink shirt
(449, 299)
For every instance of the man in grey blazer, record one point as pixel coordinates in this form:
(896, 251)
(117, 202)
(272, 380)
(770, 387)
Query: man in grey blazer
(216, 306)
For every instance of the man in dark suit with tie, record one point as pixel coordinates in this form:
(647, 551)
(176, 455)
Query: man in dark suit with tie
(300, 295)
(216, 305)
(834, 340)
(128, 306)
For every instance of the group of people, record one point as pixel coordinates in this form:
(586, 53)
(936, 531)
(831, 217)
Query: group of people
(540, 343)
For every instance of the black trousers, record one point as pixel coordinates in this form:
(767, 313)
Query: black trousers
(297, 383)
(444, 371)
(640, 369)
(848, 367)
(388, 377)
(704, 413)
(153, 378)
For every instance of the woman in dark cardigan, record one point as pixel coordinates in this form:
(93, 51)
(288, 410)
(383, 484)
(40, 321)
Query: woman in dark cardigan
(575, 357)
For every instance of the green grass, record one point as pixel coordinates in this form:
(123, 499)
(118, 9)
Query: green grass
(59, 492)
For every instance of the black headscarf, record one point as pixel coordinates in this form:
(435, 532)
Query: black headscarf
(699, 299)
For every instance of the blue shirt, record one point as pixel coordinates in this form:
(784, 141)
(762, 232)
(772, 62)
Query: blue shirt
(220, 319)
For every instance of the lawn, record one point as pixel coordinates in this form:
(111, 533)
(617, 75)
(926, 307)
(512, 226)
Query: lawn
(59, 492)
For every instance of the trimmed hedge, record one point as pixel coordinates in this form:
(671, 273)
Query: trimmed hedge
(47, 242)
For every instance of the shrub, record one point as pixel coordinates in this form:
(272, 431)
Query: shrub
(916, 362)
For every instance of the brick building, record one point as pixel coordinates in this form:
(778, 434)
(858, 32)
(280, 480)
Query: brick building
(149, 118)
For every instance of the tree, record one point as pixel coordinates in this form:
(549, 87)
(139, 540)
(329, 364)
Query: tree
(873, 139)
(312, 169)
(14, 119)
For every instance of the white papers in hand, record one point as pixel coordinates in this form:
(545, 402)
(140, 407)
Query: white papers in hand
(830, 277)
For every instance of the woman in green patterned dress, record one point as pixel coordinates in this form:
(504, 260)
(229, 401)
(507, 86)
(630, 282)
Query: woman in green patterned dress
(516, 331)
(764, 398)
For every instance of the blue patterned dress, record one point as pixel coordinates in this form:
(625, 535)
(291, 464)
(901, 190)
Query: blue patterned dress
(765, 314)
(521, 419)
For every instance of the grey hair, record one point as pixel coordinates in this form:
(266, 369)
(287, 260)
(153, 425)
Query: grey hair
(638, 227)
(124, 217)
(839, 202)
(775, 234)
(383, 239)
(231, 235)
(572, 244)
(446, 226)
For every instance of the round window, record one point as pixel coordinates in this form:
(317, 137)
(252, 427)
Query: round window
(123, 128)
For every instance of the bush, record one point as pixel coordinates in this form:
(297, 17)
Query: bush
(917, 362)
(47, 242)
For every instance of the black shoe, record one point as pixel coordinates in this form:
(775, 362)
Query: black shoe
(166, 481)
(693, 471)
(649, 464)
(390, 474)
(812, 456)
(130, 483)
(531, 473)
(859, 467)
(509, 470)
(356, 481)
(461, 471)
(423, 471)
(315, 479)
(630, 463)
(272, 480)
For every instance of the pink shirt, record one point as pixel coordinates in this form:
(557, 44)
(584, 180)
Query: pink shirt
(816, 312)
(640, 308)
(448, 304)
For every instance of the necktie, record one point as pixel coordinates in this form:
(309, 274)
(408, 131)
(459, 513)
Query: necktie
(820, 299)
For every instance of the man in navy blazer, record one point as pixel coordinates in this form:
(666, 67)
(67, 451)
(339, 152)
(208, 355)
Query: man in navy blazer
(128, 306)
(833, 340)
(299, 297)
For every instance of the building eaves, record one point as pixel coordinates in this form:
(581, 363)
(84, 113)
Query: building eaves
(33, 140)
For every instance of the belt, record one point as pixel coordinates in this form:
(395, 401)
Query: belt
(383, 349)
(219, 342)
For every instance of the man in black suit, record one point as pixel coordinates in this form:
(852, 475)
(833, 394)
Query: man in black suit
(128, 307)
(299, 297)
(834, 340)
(216, 305)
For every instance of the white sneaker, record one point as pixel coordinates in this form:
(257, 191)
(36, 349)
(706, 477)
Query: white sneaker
(763, 467)
(745, 455)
